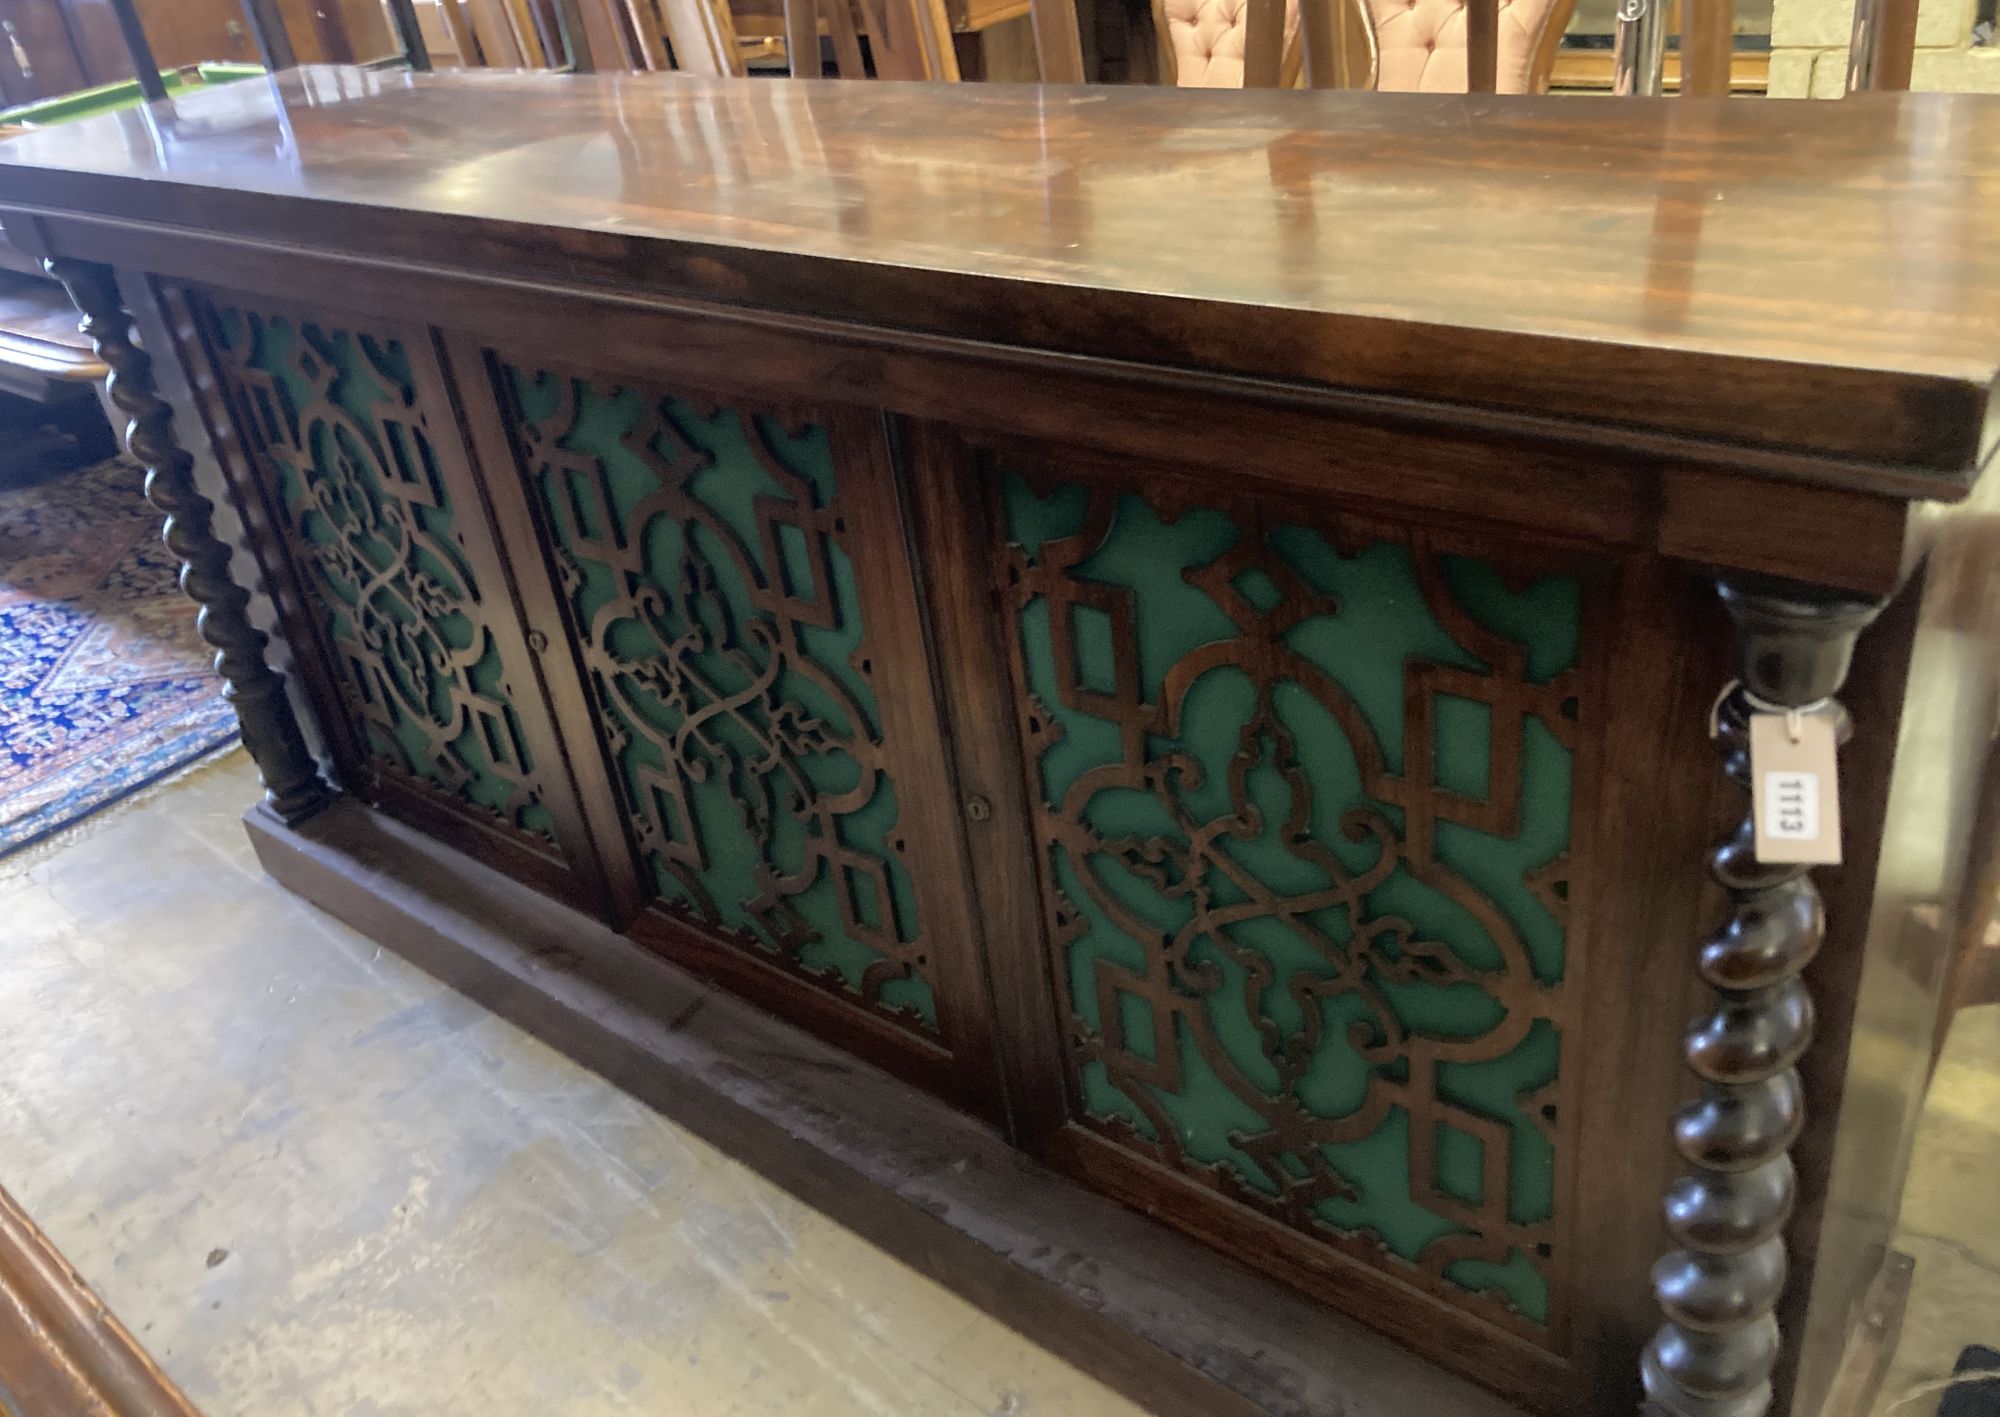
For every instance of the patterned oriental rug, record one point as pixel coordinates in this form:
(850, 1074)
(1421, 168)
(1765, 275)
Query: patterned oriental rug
(104, 684)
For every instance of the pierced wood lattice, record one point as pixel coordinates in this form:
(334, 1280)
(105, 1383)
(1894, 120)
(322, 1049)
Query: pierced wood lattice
(333, 419)
(703, 562)
(1304, 817)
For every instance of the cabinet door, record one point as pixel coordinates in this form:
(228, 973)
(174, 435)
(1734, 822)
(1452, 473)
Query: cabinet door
(382, 556)
(1277, 905)
(731, 579)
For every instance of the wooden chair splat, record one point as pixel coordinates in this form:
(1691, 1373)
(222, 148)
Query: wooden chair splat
(1263, 43)
(1884, 47)
(846, 37)
(909, 39)
(1482, 46)
(458, 30)
(802, 38)
(649, 31)
(711, 46)
(1708, 45)
(1058, 41)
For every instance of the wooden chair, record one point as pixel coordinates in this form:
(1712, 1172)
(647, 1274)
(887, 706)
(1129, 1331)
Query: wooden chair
(50, 378)
(1228, 44)
(1451, 46)
(1880, 56)
(1431, 45)
(1884, 47)
(1445, 46)
(692, 36)
(1405, 46)
(501, 34)
(1707, 30)
(1231, 43)
(908, 39)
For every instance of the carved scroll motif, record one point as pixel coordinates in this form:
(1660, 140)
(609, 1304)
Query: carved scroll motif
(1305, 823)
(703, 555)
(334, 418)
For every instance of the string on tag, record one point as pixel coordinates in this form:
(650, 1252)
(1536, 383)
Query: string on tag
(1715, 709)
(1794, 713)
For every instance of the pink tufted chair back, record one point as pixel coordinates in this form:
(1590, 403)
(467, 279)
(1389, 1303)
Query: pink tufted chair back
(1407, 46)
(1420, 45)
(1207, 40)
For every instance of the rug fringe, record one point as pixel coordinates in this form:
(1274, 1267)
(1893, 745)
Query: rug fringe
(19, 863)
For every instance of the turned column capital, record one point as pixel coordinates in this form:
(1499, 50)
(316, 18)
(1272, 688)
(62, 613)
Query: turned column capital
(1793, 647)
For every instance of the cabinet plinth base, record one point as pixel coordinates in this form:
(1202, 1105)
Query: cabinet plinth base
(1149, 1313)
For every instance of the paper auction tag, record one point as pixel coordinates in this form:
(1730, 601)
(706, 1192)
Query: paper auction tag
(1795, 794)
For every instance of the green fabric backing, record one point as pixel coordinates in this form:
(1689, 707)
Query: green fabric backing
(741, 846)
(335, 487)
(1382, 624)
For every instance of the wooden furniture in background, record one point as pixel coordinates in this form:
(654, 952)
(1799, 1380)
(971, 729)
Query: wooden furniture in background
(908, 39)
(991, 39)
(49, 383)
(1883, 46)
(1252, 44)
(1240, 729)
(73, 44)
(501, 34)
(691, 36)
(1435, 46)
(1440, 46)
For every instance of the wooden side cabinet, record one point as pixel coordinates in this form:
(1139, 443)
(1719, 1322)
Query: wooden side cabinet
(1219, 774)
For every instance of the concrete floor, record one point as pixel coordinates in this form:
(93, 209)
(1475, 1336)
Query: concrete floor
(314, 1181)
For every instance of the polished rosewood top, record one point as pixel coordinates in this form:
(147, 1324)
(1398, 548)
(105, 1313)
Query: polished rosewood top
(1817, 280)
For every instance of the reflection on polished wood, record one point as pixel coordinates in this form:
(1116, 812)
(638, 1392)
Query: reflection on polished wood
(815, 532)
(915, 209)
(62, 1353)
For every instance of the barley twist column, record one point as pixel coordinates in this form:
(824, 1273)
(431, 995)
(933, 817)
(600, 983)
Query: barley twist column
(1714, 1355)
(292, 784)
